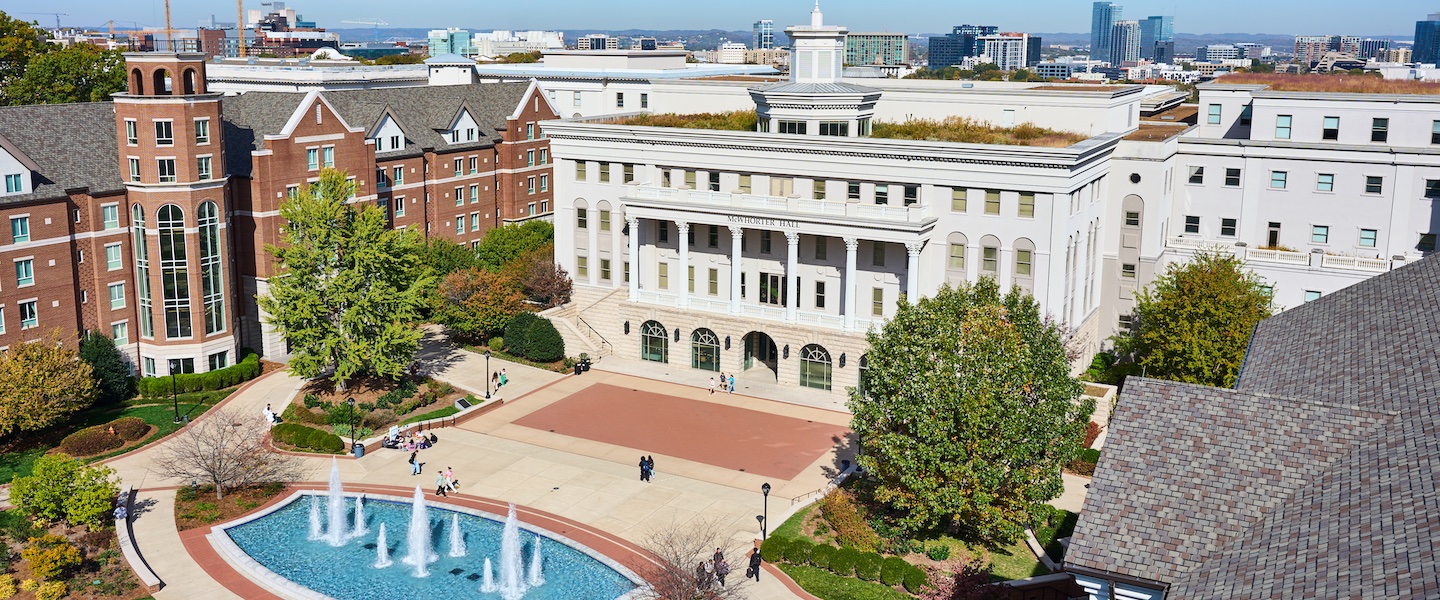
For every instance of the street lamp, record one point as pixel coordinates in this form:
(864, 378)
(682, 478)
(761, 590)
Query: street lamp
(765, 489)
(353, 443)
(487, 370)
(174, 364)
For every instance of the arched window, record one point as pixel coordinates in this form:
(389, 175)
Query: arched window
(137, 82)
(142, 271)
(653, 344)
(212, 279)
(815, 367)
(582, 220)
(704, 350)
(863, 385)
(174, 271)
(190, 81)
(161, 84)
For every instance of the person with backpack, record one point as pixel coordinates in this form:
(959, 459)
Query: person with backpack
(414, 464)
(754, 569)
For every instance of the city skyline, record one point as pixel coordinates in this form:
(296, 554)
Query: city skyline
(927, 16)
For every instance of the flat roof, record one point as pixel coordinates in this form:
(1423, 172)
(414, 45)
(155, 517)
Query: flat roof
(1341, 84)
(691, 70)
(1155, 132)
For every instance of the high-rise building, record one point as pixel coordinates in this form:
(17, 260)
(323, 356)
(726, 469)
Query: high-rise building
(1124, 42)
(1102, 25)
(1427, 40)
(961, 42)
(1155, 30)
(1164, 52)
(763, 35)
(450, 41)
(1007, 50)
(1032, 50)
(1309, 48)
(877, 49)
(1372, 48)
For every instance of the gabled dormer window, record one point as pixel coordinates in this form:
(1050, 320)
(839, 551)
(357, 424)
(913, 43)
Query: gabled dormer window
(14, 183)
(469, 134)
(455, 136)
(396, 142)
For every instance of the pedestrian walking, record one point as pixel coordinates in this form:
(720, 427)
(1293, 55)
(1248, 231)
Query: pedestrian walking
(414, 464)
(712, 386)
(450, 482)
(719, 556)
(754, 569)
(702, 576)
(722, 569)
(504, 378)
(495, 380)
(650, 460)
(644, 469)
(440, 483)
(732, 383)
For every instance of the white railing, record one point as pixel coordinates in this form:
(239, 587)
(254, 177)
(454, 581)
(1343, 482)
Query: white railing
(710, 304)
(1279, 256)
(1196, 243)
(650, 297)
(820, 208)
(764, 312)
(766, 202)
(1356, 263)
(821, 319)
(767, 312)
(782, 204)
(865, 324)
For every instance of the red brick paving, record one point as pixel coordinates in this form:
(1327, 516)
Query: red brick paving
(706, 432)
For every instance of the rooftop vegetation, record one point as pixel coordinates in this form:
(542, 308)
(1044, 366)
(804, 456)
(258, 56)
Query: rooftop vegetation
(1342, 83)
(740, 120)
(964, 130)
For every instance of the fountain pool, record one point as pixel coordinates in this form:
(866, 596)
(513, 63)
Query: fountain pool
(278, 541)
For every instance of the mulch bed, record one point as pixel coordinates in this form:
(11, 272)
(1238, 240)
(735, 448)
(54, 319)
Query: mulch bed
(200, 508)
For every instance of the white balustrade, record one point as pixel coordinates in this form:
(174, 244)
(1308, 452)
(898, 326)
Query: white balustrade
(1356, 263)
(821, 319)
(819, 207)
(904, 214)
(652, 297)
(1278, 256)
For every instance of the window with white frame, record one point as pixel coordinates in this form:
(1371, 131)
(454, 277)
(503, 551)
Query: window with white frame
(114, 258)
(1278, 179)
(1213, 117)
(120, 332)
(1320, 234)
(19, 229)
(312, 159)
(474, 221)
(460, 224)
(25, 272)
(459, 196)
(1227, 227)
(14, 183)
(1330, 128)
(1232, 177)
(1311, 295)
(544, 183)
(134, 169)
(1282, 127)
(474, 193)
(202, 131)
(29, 315)
(1325, 182)
(474, 165)
(166, 167)
(400, 206)
(132, 136)
(1197, 175)
(1368, 238)
(576, 100)
(117, 295)
(459, 166)
(530, 184)
(328, 156)
(1192, 224)
(397, 176)
(202, 168)
(164, 133)
(110, 216)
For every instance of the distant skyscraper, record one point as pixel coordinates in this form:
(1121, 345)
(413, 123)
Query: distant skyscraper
(1155, 30)
(763, 37)
(962, 41)
(1427, 40)
(1124, 42)
(1032, 51)
(1102, 26)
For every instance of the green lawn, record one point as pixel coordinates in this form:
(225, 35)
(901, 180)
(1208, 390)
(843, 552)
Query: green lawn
(1014, 561)
(830, 586)
(18, 464)
(791, 527)
(434, 414)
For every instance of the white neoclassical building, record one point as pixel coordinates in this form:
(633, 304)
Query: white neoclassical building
(772, 251)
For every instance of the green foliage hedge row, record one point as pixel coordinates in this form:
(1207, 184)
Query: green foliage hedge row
(248, 368)
(534, 338)
(90, 441)
(130, 428)
(308, 438)
(846, 562)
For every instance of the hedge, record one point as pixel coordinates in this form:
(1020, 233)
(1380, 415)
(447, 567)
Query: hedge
(90, 441)
(307, 438)
(915, 579)
(248, 368)
(820, 556)
(867, 567)
(843, 562)
(517, 333)
(798, 552)
(773, 549)
(544, 342)
(130, 428)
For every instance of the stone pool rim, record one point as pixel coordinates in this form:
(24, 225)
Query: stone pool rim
(251, 569)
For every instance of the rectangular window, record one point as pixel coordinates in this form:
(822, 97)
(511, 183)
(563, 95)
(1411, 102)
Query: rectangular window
(1197, 175)
(544, 183)
(604, 172)
(398, 177)
(1374, 184)
(117, 295)
(29, 315)
(400, 207)
(474, 221)
(132, 138)
(795, 127)
(120, 332)
(582, 218)
(1192, 224)
(164, 133)
(1127, 271)
(292, 192)
(877, 254)
(1325, 182)
(1320, 234)
(327, 156)
(626, 267)
(1232, 177)
(529, 131)
(529, 158)
(544, 156)
(459, 224)
(1435, 132)
(912, 195)
(582, 266)
(714, 236)
(764, 242)
(1213, 118)
(1379, 130)
(604, 220)
(852, 191)
(1022, 263)
(217, 360)
(1282, 127)
(819, 294)
(1426, 243)
(113, 257)
(662, 271)
(1368, 237)
(882, 193)
(166, 167)
(202, 131)
(580, 170)
(1245, 115)
(644, 100)
(474, 165)
(1132, 219)
(958, 200)
(745, 184)
(714, 282)
(474, 193)
(714, 181)
(134, 169)
(690, 279)
(459, 196)
(821, 248)
(1027, 204)
(604, 269)
(1277, 180)
(530, 185)
(835, 128)
(1432, 188)
(110, 215)
(1311, 295)
(619, 99)
(202, 168)
(1330, 128)
(627, 174)
(576, 99)
(1227, 227)
(150, 367)
(990, 259)
(992, 202)
(662, 231)
(24, 272)
(877, 302)
(459, 167)
(312, 159)
(817, 189)
(957, 257)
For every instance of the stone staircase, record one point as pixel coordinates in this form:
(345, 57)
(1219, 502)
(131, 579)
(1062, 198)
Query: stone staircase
(579, 335)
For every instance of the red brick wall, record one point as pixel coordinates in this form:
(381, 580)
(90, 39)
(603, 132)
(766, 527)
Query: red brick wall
(514, 185)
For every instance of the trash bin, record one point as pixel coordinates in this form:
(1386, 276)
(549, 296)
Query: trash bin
(579, 368)
(358, 449)
(586, 364)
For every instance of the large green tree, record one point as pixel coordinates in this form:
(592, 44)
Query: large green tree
(42, 383)
(968, 412)
(349, 290)
(19, 42)
(503, 245)
(78, 73)
(1193, 322)
(108, 364)
(476, 303)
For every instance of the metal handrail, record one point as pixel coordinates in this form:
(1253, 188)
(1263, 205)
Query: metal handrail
(595, 331)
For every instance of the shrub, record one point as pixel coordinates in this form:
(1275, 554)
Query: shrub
(842, 563)
(130, 428)
(892, 570)
(773, 549)
(1092, 431)
(312, 401)
(867, 567)
(915, 579)
(341, 413)
(51, 556)
(840, 511)
(380, 417)
(496, 344)
(61, 488)
(343, 431)
(938, 552)
(29, 585)
(443, 389)
(820, 556)
(331, 443)
(248, 368)
(307, 438)
(517, 332)
(543, 342)
(798, 552)
(51, 590)
(7, 586)
(404, 391)
(90, 441)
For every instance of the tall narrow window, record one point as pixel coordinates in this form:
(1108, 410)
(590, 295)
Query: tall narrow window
(877, 254)
(1379, 130)
(312, 160)
(582, 266)
(142, 271)
(132, 138)
(202, 168)
(328, 156)
(398, 176)
(957, 257)
(1213, 117)
(990, 259)
(627, 174)
(882, 193)
(662, 274)
(877, 302)
(992, 202)
(714, 181)
(134, 169)
(202, 131)
(959, 200)
(604, 220)
(24, 272)
(604, 269)
(117, 295)
(113, 257)
(582, 218)
(212, 277)
(1330, 128)
(1022, 263)
(1027, 204)
(604, 172)
(1282, 127)
(174, 272)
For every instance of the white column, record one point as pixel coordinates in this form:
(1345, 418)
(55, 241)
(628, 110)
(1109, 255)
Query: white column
(851, 244)
(683, 229)
(792, 275)
(634, 223)
(736, 235)
(912, 271)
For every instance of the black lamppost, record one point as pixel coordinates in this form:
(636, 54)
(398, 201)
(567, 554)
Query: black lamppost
(174, 364)
(765, 489)
(487, 370)
(353, 443)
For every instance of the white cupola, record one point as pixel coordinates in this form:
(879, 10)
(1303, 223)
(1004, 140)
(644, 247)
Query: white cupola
(815, 101)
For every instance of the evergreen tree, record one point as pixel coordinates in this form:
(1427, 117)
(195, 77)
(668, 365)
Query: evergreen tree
(109, 366)
(349, 290)
(968, 412)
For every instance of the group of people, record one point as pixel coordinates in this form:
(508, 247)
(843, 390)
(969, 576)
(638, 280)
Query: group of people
(647, 467)
(410, 441)
(445, 482)
(710, 571)
(499, 379)
(271, 418)
(727, 384)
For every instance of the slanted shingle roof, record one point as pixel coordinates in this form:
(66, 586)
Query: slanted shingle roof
(250, 117)
(73, 144)
(425, 111)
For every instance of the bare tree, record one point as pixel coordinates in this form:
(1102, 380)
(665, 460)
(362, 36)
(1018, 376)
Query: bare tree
(678, 551)
(227, 449)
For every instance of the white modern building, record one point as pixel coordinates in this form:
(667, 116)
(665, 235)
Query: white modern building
(1007, 50)
(731, 53)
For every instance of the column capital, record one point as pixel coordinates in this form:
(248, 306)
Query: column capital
(913, 248)
(633, 221)
(851, 244)
(736, 231)
(682, 226)
(792, 238)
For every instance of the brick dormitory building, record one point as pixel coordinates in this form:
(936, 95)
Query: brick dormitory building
(146, 218)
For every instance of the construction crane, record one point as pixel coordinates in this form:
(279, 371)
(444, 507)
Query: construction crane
(56, 15)
(240, 24)
(375, 22)
(169, 33)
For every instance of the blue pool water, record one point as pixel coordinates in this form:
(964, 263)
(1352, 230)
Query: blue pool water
(279, 542)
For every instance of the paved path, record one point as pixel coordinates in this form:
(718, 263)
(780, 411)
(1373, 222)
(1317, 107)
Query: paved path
(1073, 498)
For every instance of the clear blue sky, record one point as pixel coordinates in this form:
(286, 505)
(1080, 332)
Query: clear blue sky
(1374, 17)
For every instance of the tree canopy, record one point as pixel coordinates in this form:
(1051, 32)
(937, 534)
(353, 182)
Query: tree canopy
(349, 290)
(42, 383)
(968, 412)
(476, 303)
(19, 42)
(77, 73)
(108, 364)
(503, 245)
(1194, 322)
